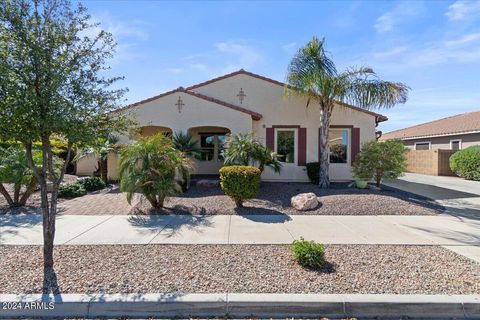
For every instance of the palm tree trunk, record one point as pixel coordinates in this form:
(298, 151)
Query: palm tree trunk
(103, 164)
(324, 180)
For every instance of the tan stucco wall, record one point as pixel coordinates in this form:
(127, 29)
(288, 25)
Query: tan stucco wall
(444, 142)
(263, 97)
(87, 166)
(268, 99)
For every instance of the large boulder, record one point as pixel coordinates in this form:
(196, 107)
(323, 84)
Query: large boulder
(305, 201)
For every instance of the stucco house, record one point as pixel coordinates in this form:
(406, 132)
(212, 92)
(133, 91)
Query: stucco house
(241, 102)
(452, 133)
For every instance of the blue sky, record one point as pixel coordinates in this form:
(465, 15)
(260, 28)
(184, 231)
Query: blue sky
(433, 46)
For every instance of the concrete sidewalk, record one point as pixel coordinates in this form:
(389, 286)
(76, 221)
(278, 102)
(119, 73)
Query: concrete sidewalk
(461, 235)
(459, 196)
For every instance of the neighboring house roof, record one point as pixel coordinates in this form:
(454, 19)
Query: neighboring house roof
(464, 123)
(255, 115)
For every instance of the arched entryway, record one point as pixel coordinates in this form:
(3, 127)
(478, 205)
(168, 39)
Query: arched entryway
(148, 131)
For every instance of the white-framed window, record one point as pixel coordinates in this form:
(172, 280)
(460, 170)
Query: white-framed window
(456, 144)
(424, 145)
(286, 144)
(339, 145)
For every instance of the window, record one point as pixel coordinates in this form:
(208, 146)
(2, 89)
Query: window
(422, 145)
(207, 143)
(212, 146)
(338, 145)
(285, 145)
(456, 144)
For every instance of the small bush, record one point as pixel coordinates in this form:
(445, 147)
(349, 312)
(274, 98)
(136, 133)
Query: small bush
(71, 190)
(308, 253)
(313, 172)
(93, 183)
(240, 182)
(466, 163)
(379, 160)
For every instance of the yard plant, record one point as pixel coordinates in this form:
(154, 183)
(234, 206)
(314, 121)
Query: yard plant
(101, 149)
(53, 84)
(379, 160)
(15, 171)
(240, 182)
(149, 167)
(185, 143)
(72, 190)
(312, 74)
(93, 183)
(245, 149)
(308, 254)
(466, 163)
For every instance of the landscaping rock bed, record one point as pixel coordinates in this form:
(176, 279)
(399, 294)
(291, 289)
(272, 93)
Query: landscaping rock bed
(273, 198)
(352, 269)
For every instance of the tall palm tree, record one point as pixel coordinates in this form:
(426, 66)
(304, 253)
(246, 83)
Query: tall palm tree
(312, 74)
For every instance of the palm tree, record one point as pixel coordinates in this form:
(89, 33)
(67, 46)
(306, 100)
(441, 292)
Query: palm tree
(100, 151)
(312, 74)
(184, 142)
(244, 149)
(149, 167)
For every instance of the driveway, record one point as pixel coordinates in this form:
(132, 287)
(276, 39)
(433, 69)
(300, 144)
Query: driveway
(460, 197)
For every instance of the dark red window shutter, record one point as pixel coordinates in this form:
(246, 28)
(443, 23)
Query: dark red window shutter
(270, 139)
(355, 143)
(302, 146)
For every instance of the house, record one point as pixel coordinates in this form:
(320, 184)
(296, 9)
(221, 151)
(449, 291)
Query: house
(242, 101)
(452, 133)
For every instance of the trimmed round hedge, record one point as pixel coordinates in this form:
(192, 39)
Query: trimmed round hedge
(466, 163)
(240, 182)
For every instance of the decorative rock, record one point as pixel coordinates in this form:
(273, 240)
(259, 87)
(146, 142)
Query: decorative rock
(206, 183)
(305, 201)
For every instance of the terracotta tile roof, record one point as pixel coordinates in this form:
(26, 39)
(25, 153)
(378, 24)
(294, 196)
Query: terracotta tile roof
(379, 117)
(458, 124)
(254, 115)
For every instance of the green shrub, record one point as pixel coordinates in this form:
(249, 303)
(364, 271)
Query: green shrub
(240, 182)
(313, 172)
(379, 160)
(466, 163)
(71, 190)
(93, 183)
(308, 253)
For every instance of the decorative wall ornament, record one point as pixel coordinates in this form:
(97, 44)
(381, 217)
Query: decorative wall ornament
(241, 95)
(179, 104)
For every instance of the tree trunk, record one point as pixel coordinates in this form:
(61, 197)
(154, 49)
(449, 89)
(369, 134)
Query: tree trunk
(16, 193)
(239, 203)
(6, 195)
(103, 168)
(324, 180)
(161, 201)
(28, 191)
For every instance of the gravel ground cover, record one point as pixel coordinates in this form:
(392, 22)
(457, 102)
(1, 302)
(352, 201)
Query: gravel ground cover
(273, 198)
(240, 268)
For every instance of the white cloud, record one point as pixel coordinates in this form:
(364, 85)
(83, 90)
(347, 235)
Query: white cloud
(175, 70)
(244, 56)
(463, 49)
(398, 14)
(199, 66)
(289, 47)
(460, 10)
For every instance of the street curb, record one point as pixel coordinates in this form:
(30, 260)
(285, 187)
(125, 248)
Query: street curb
(238, 305)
